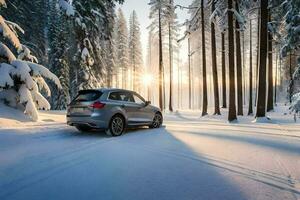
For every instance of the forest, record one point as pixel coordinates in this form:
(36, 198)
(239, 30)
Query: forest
(241, 55)
(150, 99)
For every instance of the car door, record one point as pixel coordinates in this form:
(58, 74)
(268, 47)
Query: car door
(144, 113)
(123, 100)
(128, 105)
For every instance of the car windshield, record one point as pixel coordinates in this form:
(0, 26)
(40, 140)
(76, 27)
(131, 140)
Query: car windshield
(88, 95)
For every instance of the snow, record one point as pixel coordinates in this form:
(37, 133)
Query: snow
(85, 54)
(39, 70)
(28, 92)
(67, 7)
(189, 158)
(2, 3)
(26, 98)
(6, 53)
(295, 107)
(43, 85)
(5, 70)
(10, 96)
(25, 53)
(9, 33)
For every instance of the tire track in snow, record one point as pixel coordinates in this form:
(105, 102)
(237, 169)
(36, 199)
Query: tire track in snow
(59, 164)
(295, 183)
(284, 183)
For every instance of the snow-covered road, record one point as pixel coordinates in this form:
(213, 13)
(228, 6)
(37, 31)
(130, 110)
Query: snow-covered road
(189, 158)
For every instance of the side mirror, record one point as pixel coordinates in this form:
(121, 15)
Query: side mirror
(147, 103)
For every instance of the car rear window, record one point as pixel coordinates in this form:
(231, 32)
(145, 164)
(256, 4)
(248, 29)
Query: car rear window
(88, 95)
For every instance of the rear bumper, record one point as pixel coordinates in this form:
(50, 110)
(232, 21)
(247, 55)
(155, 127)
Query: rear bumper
(93, 122)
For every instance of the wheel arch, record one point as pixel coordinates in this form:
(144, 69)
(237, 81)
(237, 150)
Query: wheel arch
(119, 114)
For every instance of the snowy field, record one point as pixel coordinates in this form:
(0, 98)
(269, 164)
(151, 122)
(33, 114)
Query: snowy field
(189, 158)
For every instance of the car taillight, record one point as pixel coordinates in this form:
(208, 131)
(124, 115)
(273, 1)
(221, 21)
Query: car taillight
(97, 105)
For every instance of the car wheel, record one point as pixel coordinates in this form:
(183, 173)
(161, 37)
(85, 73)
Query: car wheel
(157, 121)
(116, 126)
(83, 128)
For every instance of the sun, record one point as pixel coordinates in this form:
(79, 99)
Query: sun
(147, 79)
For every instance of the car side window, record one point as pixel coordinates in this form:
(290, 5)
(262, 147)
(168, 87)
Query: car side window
(115, 96)
(138, 99)
(121, 96)
(126, 96)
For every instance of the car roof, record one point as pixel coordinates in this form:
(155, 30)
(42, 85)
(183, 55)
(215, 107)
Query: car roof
(112, 90)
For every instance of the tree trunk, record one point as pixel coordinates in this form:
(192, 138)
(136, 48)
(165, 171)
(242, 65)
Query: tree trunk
(232, 109)
(276, 79)
(257, 56)
(238, 64)
(204, 100)
(263, 46)
(171, 67)
(280, 70)
(291, 85)
(214, 64)
(244, 70)
(160, 96)
(124, 78)
(270, 104)
(190, 78)
(250, 110)
(109, 78)
(178, 82)
(223, 72)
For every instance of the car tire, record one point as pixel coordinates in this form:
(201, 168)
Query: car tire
(83, 128)
(157, 121)
(116, 126)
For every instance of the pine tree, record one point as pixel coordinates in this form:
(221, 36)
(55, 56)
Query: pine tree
(58, 57)
(263, 46)
(250, 110)
(238, 63)
(204, 79)
(159, 16)
(93, 26)
(270, 99)
(224, 88)
(173, 29)
(135, 51)
(232, 109)
(22, 78)
(214, 64)
(122, 47)
(25, 13)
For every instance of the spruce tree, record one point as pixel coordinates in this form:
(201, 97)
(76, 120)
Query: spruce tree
(122, 47)
(135, 51)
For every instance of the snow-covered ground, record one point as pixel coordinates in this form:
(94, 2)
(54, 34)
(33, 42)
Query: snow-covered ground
(189, 158)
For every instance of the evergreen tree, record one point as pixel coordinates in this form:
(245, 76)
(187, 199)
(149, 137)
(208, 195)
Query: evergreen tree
(21, 80)
(238, 62)
(122, 47)
(204, 79)
(263, 46)
(93, 22)
(250, 110)
(58, 57)
(232, 107)
(173, 29)
(214, 63)
(135, 51)
(270, 99)
(159, 16)
(25, 13)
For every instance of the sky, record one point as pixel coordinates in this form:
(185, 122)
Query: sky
(142, 9)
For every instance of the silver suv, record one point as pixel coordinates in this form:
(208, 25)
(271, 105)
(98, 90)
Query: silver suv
(112, 110)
